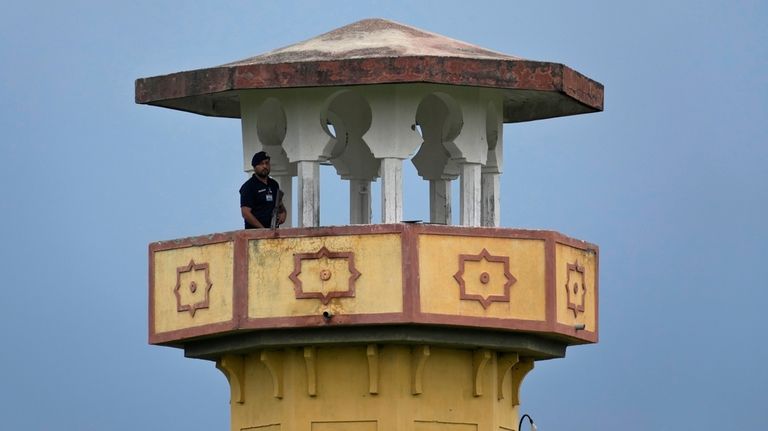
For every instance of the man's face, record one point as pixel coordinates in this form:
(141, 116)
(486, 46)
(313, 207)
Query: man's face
(262, 169)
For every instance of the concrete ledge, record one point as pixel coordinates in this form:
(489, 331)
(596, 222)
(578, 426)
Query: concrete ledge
(528, 345)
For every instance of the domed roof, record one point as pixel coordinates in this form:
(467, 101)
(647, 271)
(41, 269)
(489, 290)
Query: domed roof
(379, 51)
(373, 38)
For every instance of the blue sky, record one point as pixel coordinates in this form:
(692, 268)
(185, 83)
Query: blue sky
(671, 181)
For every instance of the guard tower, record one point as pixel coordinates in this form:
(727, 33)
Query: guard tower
(391, 326)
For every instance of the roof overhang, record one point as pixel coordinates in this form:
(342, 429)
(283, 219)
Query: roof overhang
(532, 90)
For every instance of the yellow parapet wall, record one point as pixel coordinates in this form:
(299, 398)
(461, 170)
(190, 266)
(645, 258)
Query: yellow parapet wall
(343, 274)
(197, 287)
(497, 277)
(575, 284)
(533, 282)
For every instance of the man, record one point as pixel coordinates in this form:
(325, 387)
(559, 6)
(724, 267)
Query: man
(259, 196)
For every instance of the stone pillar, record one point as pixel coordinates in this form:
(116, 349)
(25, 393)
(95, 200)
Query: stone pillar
(391, 190)
(490, 199)
(359, 201)
(471, 142)
(309, 194)
(439, 118)
(455, 127)
(392, 138)
(307, 144)
(350, 115)
(470, 194)
(440, 201)
(491, 194)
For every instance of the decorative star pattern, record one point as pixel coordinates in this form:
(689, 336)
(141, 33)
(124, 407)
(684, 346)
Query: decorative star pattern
(484, 278)
(325, 274)
(193, 288)
(576, 287)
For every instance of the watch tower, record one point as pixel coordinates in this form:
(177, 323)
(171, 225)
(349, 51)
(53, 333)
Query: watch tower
(392, 326)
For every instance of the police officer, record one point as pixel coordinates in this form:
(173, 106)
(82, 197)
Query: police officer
(260, 194)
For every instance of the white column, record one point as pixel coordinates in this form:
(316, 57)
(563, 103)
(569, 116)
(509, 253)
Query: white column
(309, 200)
(392, 138)
(440, 201)
(286, 186)
(470, 194)
(490, 200)
(359, 202)
(249, 107)
(491, 205)
(307, 144)
(391, 190)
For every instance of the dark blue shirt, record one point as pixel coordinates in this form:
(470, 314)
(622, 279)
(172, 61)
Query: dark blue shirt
(260, 198)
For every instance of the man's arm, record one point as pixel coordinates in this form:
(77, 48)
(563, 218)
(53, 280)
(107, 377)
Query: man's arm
(248, 216)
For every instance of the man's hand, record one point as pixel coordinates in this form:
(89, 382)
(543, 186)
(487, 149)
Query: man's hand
(248, 216)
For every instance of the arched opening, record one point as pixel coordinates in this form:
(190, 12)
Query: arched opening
(439, 121)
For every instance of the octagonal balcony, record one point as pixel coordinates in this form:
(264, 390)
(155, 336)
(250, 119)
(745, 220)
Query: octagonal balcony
(524, 290)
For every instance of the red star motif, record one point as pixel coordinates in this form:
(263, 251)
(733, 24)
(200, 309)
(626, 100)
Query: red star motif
(193, 287)
(485, 278)
(576, 288)
(325, 274)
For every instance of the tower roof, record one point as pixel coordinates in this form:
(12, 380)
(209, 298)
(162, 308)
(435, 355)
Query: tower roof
(378, 51)
(373, 38)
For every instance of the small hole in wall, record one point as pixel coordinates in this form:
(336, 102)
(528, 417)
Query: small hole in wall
(331, 130)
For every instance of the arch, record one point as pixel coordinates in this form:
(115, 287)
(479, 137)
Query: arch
(440, 119)
(271, 122)
(350, 116)
(346, 117)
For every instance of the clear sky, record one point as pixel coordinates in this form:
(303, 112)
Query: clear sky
(671, 181)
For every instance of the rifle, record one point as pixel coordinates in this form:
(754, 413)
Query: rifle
(273, 224)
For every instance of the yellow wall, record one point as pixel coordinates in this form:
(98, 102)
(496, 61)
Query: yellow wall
(166, 263)
(378, 258)
(439, 261)
(387, 387)
(343, 399)
(381, 282)
(570, 255)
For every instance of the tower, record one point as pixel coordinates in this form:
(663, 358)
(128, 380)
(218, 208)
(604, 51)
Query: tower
(391, 326)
